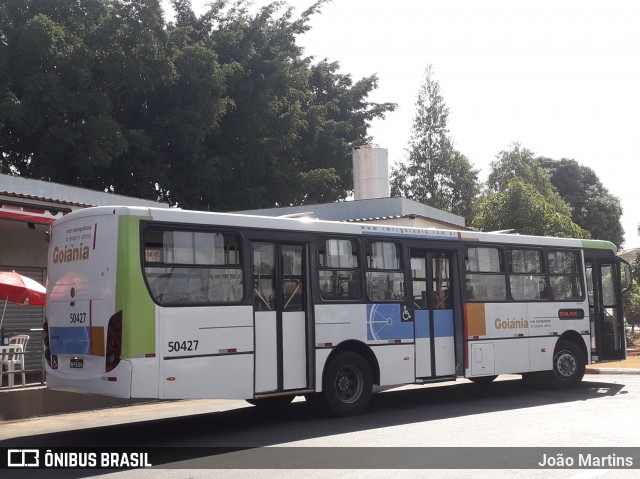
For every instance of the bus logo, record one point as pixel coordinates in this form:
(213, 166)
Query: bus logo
(23, 458)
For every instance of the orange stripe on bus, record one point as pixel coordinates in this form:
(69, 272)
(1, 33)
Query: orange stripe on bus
(97, 341)
(475, 321)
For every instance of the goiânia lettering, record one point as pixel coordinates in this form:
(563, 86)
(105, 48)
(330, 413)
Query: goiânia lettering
(71, 253)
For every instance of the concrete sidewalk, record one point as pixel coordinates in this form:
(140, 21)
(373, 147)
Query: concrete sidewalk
(601, 370)
(36, 400)
(113, 414)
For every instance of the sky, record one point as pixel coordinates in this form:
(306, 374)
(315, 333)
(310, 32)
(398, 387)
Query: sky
(562, 78)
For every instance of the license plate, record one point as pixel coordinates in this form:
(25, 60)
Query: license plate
(77, 363)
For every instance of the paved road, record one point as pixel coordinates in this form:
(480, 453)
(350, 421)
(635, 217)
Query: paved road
(602, 412)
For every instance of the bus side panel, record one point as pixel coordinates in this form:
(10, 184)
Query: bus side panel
(321, 361)
(336, 323)
(397, 364)
(511, 356)
(144, 378)
(527, 334)
(219, 377)
(206, 352)
(541, 353)
(132, 296)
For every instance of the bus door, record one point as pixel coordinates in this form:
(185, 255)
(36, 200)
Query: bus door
(280, 306)
(605, 312)
(432, 306)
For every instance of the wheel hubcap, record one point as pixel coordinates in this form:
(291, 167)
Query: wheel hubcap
(349, 384)
(566, 365)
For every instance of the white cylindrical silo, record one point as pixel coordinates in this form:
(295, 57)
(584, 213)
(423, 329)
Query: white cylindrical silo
(370, 172)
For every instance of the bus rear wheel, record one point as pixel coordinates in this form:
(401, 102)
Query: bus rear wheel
(568, 365)
(347, 384)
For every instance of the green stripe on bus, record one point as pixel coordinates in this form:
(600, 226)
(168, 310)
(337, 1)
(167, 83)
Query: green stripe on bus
(599, 244)
(132, 297)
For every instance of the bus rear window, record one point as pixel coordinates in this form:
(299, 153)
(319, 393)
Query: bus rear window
(192, 267)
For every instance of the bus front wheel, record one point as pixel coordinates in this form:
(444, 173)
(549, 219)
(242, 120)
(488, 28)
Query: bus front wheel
(347, 385)
(568, 365)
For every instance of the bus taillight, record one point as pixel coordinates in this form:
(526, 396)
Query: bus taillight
(114, 341)
(45, 341)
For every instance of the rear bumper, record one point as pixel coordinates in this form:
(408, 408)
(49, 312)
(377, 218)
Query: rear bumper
(116, 383)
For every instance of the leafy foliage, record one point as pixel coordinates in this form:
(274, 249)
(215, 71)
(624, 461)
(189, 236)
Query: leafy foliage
(631, 298)
(521, 207)
(594, 208)
(520, 197)
(519, 162)
(218, 111)
(437, 174)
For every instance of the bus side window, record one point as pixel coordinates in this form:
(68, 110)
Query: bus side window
(564, 274)
(385, 278)
(339, 274)
(527, 277)
(485, 274)
(192, 267)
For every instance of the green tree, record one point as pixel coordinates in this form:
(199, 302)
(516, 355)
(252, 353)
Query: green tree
(521, 163)
(288, 136)
(631, 297)
(77, 91)
(436, 174)
(595, 209)
(519, 206)
(218, 111)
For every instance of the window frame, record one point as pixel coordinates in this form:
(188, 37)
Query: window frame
(401, 270)
(543, 274)
(357, 270)
(503, 273)
(506, 250)
(579, 274)
(161, 228)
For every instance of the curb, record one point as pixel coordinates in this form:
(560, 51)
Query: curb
(612, 371)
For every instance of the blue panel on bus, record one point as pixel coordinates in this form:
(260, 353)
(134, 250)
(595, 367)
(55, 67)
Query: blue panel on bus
(422, 323)
(75, 340)
(384, 322)
(443, 322)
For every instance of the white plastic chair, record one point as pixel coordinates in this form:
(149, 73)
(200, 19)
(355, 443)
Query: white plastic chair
(11, 361)
(20, 339)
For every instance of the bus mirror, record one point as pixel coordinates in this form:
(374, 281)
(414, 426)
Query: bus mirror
(626, 278)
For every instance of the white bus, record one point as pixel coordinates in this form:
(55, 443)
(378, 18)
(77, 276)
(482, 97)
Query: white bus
(157, 303)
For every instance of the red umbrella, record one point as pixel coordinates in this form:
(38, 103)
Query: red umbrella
(20, 290)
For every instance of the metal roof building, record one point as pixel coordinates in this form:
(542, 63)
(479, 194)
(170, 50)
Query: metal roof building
(27, 207)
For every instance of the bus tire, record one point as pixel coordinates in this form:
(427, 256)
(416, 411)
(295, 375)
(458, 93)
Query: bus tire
(483, 380)
(271, 404)
(347, 384)
(568, 365)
